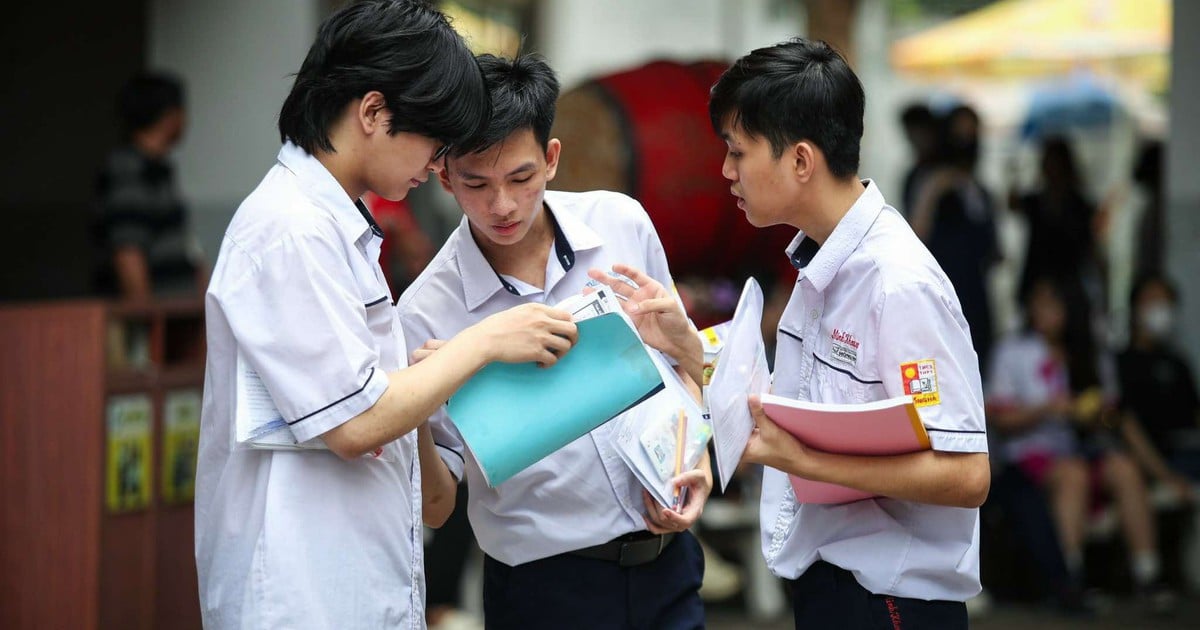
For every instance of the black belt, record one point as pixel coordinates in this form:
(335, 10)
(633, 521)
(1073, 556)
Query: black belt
(629, 550)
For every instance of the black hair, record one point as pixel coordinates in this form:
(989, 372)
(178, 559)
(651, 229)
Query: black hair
(801, 89)
(1144, 281)
(524, 92)
(145, 98)
(917, 115)
(1078, 337)
(1058, 149)
(404, 49)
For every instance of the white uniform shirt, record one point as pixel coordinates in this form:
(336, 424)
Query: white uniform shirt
(304, 539)
(872, 316)
(582, 494)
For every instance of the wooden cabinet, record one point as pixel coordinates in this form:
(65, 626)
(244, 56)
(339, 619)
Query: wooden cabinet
(96, 522)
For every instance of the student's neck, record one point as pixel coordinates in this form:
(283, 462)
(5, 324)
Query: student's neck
(832, 200)
(525, 260)
(344, 167)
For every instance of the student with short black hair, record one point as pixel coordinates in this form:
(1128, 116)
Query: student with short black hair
(871, 317)
(573, 541)
(332, 538)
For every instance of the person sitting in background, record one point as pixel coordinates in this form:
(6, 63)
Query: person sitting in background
(1047, 397)
(1159, 389)
(148, 250)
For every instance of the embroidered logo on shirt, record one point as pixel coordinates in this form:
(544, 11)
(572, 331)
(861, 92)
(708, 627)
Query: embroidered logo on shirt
(920, 382)
(844, 348)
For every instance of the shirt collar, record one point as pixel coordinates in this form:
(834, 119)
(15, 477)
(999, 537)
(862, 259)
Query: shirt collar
(480, 280)
(320, 185)
(820, 263)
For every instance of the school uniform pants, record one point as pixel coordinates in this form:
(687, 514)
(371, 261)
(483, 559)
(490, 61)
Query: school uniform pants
(570, 591)
(829, 597)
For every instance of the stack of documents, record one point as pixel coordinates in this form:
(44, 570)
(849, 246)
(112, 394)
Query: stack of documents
(646, 437)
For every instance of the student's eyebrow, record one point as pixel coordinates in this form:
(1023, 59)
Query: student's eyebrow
(528, 166)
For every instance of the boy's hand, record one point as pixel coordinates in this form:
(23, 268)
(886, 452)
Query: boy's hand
(659, 318)
(772, 446)
(662, 520)
(530, 332)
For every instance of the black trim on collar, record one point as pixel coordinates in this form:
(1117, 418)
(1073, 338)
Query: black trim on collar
(366, 214)
(562, 247)
(804, 253)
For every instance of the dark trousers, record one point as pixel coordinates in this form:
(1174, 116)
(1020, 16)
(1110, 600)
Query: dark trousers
(568, 591)
(446, 556)
(829, 597)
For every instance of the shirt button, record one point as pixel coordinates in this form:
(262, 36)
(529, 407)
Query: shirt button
(813, 313)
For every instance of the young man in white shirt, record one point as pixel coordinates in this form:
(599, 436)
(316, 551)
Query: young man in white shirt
(572, 541)
(871, 317)
(332, 538)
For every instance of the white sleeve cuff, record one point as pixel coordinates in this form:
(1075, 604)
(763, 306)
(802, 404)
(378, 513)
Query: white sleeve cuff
(340, 411)
(958, 441)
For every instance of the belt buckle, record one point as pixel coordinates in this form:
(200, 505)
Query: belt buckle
(641, 552)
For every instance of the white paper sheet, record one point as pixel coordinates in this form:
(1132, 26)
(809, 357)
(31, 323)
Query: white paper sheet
(741, 370)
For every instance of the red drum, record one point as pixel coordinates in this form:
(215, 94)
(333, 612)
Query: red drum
(646, 132)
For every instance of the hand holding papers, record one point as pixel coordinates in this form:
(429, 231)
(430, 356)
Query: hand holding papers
(885, 427)
(512, 415)
(741, 370)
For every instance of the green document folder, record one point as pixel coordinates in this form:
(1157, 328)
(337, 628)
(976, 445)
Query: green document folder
(511, 415)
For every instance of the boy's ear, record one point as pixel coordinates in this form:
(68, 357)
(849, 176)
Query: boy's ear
(804, 158)
(553, 151)
(444, 177)
(372, 113)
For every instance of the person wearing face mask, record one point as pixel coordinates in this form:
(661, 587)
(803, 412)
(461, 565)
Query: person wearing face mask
(1051, 400)
(1159, 389)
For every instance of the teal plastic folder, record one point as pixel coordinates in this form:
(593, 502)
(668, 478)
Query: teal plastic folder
(511, 415)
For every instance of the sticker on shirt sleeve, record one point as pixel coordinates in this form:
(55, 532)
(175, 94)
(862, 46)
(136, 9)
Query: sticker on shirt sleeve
(920, 382)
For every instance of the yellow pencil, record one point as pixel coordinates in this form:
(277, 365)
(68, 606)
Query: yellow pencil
(680, 437)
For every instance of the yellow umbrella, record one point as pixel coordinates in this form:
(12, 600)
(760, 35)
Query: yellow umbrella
(1021, 38)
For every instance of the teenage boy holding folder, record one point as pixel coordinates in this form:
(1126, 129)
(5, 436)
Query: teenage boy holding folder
(870, 312)
(572, 541)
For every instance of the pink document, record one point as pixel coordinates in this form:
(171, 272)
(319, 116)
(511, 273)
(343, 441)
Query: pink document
(885, 427)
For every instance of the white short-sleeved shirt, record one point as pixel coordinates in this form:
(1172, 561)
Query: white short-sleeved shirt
(582, 494)
(289, 539)
(871, 317)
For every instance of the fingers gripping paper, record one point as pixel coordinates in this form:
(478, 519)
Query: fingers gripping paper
(512, 415)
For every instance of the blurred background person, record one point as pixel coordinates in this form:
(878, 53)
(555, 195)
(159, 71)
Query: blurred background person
(953, 214)
(1159, 388)
(1062, 226)
(142, 224)
(1050, 401)
(920, 128)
